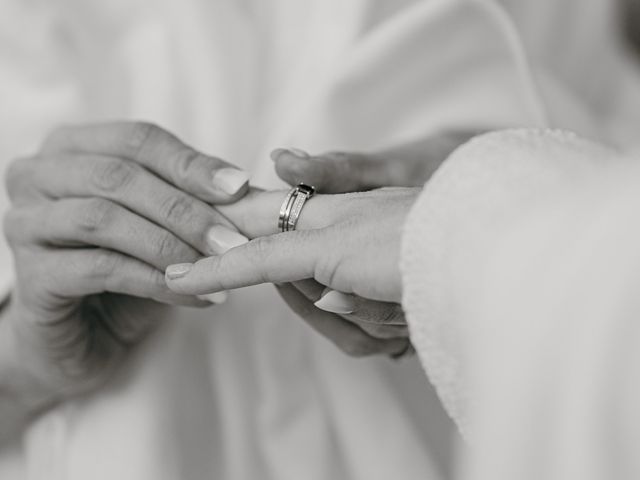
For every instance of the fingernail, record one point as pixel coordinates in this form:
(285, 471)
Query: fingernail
(299, 153)
(178, 270)
(296, 152)
(336, 302)
(220, 239)
(276, 153)
(230, 180)
(216, 298)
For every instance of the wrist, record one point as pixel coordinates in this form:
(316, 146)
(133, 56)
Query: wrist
(17, 384)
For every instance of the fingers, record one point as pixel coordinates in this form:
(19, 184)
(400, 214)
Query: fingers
(126, 184)
(98, 222)
(346, 336)
(282, 258)
(76, 273)
(256, 214)
(334, 172)
(362, 309)
(209, 178)
(404, 165)
(378, 319)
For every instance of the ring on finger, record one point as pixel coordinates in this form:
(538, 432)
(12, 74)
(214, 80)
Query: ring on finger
(292, 206)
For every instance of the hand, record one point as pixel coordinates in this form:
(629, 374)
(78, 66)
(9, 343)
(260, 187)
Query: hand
(96, 217)
(407, 165)
(339, 172)
(349, 243)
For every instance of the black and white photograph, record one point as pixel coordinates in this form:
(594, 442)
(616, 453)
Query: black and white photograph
(320, 240)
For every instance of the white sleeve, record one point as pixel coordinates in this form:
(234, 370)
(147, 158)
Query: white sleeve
(37, 90)
(556, 379)
(464, 210)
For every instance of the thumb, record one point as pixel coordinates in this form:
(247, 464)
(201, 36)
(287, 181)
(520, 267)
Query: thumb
(333, 172)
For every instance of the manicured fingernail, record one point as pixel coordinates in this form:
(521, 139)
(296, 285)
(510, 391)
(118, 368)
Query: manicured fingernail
(276, 153)
(299, 153)
(178, 270)
(216, 298)
(230, 180)
(336, 302)
(296, 152)
(220, 239)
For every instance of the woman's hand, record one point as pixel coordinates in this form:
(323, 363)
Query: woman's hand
(96, 217)
(349, 243)
(406, 165)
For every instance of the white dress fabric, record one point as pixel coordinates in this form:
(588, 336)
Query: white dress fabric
(246, 390)
(564, 298)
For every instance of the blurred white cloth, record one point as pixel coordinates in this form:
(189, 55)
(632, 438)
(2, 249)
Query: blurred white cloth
(527, 316)
(565, 301)
(472, 201)
(246, 390)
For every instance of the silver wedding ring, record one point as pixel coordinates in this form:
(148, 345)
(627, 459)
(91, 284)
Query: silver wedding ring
(292, 206)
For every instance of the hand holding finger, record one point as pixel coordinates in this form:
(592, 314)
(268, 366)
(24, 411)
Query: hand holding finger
(121, 182)
(334, 172)
(336, 250)
(210, 179)
(345, 335)
(96, 222)
(378, 319)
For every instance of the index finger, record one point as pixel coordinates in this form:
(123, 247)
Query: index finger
(208, 178)
(282, 258)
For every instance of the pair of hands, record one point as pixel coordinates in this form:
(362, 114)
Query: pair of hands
(101, 211)
(340, 270)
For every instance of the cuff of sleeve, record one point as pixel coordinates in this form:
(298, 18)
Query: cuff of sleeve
(470, 202)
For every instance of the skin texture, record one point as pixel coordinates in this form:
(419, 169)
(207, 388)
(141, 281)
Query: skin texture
(101, 210)
(346, 242)
(97, 215)
(375, 323)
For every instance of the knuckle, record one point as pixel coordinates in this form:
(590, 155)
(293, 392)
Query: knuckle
(138, 135)
(56, 136)
(166, 246)
(185, 164)
(261, 246)
(14, 170)
(104, 264)
(391, 315)
(326, 270)
(112, 175)
(178, 209)
(12, 225)
(258, 252)
(15, 174)
(94, 215)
